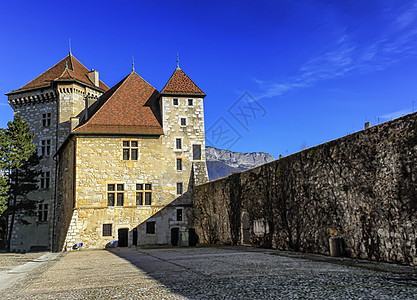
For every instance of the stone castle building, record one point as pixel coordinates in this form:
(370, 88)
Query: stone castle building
(117, 164)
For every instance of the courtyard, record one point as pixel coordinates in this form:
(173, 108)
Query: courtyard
(207, 273)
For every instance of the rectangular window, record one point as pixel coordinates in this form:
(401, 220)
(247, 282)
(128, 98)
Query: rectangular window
(179, 188)
(115, 194)
(179, 214)
(148, 198)
(46, 147)
(175, 102)
(179, 164)
(150, 227)
(130, 150)
(45, 179)
(178, 143)
(43, 212)
(139, 198)
(120, 199)
(46, 119)
(107, 229)
(144, 194)
(183, 121)
(190, 102)
(196, 152)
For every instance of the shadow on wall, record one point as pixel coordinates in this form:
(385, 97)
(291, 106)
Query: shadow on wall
(172, 225)
(360, 189)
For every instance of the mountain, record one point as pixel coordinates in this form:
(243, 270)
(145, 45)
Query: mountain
(221, 163)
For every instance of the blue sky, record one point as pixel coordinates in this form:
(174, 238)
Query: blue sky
(279, 75)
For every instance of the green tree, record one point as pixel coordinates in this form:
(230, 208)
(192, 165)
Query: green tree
(18, 163)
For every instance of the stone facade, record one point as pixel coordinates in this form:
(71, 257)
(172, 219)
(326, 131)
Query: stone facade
(82, 167)
(360, 188)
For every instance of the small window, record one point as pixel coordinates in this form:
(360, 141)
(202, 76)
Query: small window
(196, 152)
(178, 143)
(179, 214)
(115, 197)
(46, 119)
(107, 229)
(43, 212)
(130, 150)
(144, 196)
(190, 102)
(175, 102)
(183, 121)
(150, 227)
(179, 164)
(139, 198)
(179, 188)
(45, 179)
(148, 198)
(46, 147)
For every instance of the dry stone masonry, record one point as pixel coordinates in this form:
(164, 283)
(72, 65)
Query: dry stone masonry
(361, 188)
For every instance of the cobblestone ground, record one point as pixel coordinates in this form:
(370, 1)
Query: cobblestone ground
(9, 261)
(212, 273)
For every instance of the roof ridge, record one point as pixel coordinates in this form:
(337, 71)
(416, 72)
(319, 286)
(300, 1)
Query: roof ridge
(107, 101)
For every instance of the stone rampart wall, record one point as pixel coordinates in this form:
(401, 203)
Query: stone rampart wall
(362, 188)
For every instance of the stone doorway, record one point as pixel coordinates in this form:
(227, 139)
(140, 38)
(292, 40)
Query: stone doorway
(135, 237)
(174, 236)
(245, 226)
(123, 237)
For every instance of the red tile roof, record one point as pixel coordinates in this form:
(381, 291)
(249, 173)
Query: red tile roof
(181, 84)
(131, 107)
(76, 71)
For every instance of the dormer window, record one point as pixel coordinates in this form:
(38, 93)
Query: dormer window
(175, 102)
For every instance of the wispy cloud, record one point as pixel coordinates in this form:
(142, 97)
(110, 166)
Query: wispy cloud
(345, 55)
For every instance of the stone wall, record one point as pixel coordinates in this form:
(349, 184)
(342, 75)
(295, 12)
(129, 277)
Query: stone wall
(362, 188)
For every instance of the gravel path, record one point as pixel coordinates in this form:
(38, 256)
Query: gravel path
(212, 273)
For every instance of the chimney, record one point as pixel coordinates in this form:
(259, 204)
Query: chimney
(93, 76)
(74, 122)
(367, 125)
(89, 100)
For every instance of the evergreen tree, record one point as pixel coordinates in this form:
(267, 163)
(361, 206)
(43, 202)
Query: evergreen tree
(18, 163)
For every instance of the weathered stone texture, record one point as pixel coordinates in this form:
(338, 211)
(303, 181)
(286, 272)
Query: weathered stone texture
(362, 187)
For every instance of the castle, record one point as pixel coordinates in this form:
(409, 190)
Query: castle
(117, 165)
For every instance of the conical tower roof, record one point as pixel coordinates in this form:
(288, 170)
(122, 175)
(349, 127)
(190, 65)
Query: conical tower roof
(180, 84)
(68, 69)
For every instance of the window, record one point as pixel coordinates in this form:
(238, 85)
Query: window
(46, 119)
(115, 192)
(142, 193)
(183, 122)
(150, 227)
(190, 102)
(130, 150)
(196, 152)
(43, 212)
(179, 188)
(175, 101)
(179, 164)
(179, 214)
(45, 179)
(45, 147)
(107, 229)
(178, 143)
